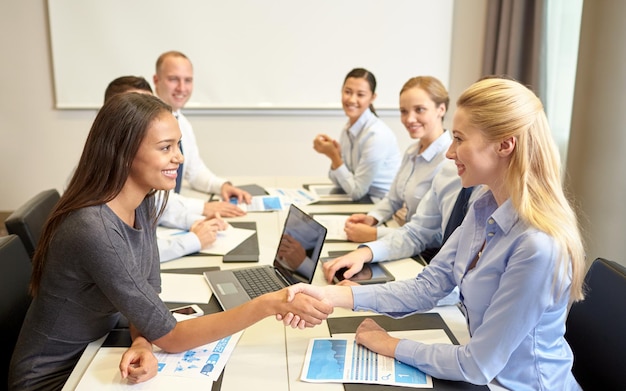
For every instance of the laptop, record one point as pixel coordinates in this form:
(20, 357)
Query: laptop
(295, 261)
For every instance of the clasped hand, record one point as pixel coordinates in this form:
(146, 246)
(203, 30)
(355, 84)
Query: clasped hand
(297, 319)
(368, 334)
(326, 145)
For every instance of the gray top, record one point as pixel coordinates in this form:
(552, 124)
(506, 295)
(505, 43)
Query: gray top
(97, 267)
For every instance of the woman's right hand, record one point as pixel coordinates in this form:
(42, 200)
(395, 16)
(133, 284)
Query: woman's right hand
(206, 230)
(360, 232)
(362, 218)
(353, 261)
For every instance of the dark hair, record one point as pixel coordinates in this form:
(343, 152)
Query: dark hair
(362, 73)
(112, 143)
(432, 86)
(126, 83)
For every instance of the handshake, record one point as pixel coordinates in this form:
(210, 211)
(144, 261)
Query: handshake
(307, 305)
(310, 305)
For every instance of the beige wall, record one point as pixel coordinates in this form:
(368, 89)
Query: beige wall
(597, 160)
(41, 145)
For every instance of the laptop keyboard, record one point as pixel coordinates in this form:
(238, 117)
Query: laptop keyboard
(257, 281)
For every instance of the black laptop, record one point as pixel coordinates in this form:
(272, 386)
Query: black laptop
(295, 261)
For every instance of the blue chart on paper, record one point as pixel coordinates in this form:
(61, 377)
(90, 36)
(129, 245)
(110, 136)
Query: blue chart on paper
(327, 359)
(408, 374)
(272, 203)
(364, 367)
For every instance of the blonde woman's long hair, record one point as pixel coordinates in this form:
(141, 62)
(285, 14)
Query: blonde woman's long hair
(504, 108)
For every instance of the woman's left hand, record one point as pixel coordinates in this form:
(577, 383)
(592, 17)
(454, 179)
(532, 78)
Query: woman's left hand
(375, 338)
(138, 363)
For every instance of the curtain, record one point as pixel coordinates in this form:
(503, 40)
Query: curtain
(514, 42)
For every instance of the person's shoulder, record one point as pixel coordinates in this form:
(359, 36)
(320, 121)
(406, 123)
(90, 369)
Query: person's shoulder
(84, 226)
(412, 149)
(87, 216)
(447, 174)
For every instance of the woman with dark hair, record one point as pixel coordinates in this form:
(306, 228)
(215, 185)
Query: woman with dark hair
(366, 158)
(97, 257)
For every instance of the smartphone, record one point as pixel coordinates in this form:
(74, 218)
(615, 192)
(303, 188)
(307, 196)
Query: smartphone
(191, 310)
(372, 273)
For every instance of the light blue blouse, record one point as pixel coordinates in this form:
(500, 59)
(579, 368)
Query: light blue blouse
(371, 158)
(515, 308)
(412, 181)
(426, 227)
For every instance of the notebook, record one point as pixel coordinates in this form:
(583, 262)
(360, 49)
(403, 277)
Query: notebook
(295, 261)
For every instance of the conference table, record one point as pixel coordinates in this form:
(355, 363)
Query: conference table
(269, 355)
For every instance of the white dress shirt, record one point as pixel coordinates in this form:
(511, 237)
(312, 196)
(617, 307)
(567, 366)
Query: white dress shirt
(195, 172)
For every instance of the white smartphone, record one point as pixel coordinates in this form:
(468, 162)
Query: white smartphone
(191, 310)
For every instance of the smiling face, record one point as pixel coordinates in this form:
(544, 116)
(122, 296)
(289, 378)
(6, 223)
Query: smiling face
(477, 160)
(356, 97)
(420, 115)
(173, 81)
(155, 164)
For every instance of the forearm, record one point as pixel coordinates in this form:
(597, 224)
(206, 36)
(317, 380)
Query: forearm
(199, 331)
(356, 184)
(335, 159)
(339, 296)
(138, 339)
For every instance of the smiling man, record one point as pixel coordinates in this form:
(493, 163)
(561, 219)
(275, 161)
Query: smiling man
(173, 82)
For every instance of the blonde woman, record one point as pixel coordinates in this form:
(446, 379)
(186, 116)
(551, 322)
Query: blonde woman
(517, 258)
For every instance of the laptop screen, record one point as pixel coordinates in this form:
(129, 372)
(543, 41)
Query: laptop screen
(300, 246)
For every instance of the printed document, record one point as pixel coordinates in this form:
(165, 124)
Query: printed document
(299, 197)
(194, 369)
(226, 240)
(340, 359)
(334, 224)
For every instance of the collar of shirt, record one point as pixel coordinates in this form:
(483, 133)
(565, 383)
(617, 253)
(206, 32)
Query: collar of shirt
(440, 144)
(360, 124)
(504, 216)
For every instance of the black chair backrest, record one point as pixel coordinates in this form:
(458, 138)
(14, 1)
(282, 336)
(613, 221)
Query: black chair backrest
(15, 270)
(27, 221)
(596, 329)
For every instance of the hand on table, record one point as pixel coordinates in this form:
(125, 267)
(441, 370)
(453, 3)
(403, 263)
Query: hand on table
(206, 229)
(225, 209)
(229, 191)
(138, 363)
(375, 338)
(353, 261)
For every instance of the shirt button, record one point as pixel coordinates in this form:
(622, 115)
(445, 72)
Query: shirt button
(490, 221)
(491, 233)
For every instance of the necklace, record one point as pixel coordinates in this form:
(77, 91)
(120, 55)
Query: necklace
(476, 258)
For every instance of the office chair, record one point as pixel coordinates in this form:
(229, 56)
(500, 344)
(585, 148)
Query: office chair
(27, 221)
(15, 270)
(596, 329)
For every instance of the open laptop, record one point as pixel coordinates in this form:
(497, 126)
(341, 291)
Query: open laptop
(295, 261)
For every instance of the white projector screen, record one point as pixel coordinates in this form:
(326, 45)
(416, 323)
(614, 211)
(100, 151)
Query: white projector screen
(250, 54)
